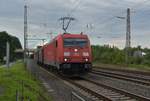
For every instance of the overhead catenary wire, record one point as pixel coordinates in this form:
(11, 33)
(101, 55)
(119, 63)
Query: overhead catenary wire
(122, 12)
(77, 4)
(139, 5)
(105, 21)
(66, 20)
(112, 18)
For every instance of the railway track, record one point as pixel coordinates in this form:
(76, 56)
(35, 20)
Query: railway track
(124, 70)
(102, 92)
(122, 76)
(115, 94)
(106, 93)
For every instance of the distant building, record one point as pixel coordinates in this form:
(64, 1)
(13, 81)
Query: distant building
(139, 53)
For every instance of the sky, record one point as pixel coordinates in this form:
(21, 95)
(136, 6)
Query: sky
(99, 15)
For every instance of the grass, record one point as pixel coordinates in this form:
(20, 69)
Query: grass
(12, 79)
(124, 66)
(0, 64)
(139, 67)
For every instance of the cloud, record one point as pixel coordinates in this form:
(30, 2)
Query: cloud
(43, 18)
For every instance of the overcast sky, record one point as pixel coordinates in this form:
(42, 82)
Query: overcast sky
(104, 27)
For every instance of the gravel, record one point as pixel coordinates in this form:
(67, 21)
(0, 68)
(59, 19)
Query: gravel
(59, 90)
(121, 84)
(126, 73)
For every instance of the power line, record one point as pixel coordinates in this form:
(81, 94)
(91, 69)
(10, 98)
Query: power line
(128, 34)
(43, 40)
(74, 8)
(106, 25)
(139, 5)
(69, 15)
(111, 18)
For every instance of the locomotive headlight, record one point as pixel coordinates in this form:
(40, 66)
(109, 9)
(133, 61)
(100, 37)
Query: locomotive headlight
(65, 59)
(85, 54)
(66, 53)
(86, 60)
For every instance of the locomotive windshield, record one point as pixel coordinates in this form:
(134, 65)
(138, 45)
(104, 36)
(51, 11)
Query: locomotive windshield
(69, 42)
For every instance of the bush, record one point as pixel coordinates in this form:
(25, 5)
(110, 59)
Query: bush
(114, 55)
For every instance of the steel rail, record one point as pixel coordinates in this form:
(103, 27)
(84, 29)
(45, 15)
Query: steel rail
(123, 77)
(132, 95)
(146, 73)
(135, 77)
(99, 96)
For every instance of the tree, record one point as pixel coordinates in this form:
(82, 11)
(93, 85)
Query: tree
(114, 55)
(14, 44)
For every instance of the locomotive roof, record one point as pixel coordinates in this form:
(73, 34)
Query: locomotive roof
(67, 35)
(73, 35)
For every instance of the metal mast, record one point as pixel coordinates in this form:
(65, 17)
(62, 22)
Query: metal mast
(25, 32)
(128, 36)
(128, 33)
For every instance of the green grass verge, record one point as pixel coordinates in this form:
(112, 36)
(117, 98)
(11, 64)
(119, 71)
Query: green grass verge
(123, 66)
(1, 64)
(11, 80)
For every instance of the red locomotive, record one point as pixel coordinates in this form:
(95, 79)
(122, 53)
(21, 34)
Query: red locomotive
(68, 53)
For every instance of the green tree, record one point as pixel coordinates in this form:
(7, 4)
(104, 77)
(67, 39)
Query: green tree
(114, 55)
(14, 44)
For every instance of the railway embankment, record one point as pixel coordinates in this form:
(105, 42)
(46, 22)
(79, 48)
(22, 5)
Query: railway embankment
(16, 83)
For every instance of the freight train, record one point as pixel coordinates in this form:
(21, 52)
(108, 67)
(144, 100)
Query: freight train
(69, 54)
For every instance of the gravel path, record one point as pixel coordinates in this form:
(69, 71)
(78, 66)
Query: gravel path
(59, 90)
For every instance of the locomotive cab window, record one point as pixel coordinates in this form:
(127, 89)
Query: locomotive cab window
(69, 42)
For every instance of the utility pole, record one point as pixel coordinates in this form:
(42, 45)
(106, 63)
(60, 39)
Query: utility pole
(128, 36)
(25, 32)
(7, 54)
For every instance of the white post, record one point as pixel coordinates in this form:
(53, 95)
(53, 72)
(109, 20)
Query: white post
(7, 54)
